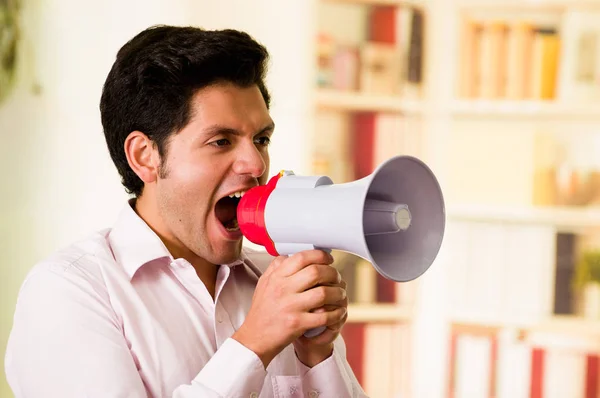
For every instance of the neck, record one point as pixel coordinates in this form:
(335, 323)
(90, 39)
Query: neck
(148, 211)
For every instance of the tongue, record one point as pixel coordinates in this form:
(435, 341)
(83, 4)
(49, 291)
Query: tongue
(226, 209)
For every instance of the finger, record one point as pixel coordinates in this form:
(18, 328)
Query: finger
(302, 259)
(337, 327)
(320, 296)
(341, 284)
(313, 275)
(344, 302)
(331, 307)
(327, 318)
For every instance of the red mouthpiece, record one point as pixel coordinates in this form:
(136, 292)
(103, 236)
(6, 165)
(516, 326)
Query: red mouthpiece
(251, 215)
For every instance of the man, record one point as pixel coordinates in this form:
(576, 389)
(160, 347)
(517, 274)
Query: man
(166, 303)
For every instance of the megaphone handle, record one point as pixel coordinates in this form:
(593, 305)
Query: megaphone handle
(317, 331)
(314, 332)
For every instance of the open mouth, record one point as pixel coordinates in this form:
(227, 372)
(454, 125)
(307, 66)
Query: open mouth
(226, 210)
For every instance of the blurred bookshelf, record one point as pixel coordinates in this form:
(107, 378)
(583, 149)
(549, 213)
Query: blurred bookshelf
(414, 3)
(356, 101)
(363, 84)
(502, 100)
(524, 109)
(559, 324)
(378, 313)
(530, 5)
(563, 219)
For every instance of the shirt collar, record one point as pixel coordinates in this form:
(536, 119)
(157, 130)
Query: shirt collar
(135, 244)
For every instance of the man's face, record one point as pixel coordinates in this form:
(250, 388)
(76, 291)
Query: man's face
(223, 150)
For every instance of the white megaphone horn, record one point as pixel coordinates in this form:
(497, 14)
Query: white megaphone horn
(394, 218)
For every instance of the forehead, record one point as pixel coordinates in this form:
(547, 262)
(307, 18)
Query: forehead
(227, 104)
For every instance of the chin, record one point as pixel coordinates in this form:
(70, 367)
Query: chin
(226, 252)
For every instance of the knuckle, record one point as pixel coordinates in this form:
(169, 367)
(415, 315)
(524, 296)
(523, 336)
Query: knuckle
(292, 321)
(336, 277)
(278, 260)
(313, 273)
(301, 257)
(320, 294)
(323, 318)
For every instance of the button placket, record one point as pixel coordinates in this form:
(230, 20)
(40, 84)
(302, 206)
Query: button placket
(223, 327)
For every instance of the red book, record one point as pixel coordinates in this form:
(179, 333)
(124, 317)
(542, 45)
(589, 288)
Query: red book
(591, 377)
(354, 338)
(386, 290)
(537, 373)
(382, 24)
(363, 143)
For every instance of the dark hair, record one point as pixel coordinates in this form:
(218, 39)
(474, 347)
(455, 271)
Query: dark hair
(150, 86)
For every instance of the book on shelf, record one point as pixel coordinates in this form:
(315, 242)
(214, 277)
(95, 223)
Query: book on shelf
(500, 271)
(508, 60)
(382, 55)
(380, 357)
(510, 363)
(529, 59)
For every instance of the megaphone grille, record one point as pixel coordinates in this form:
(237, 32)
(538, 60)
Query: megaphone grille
(405, 255)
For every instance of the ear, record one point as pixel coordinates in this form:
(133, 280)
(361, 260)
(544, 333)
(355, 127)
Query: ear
(142, 156)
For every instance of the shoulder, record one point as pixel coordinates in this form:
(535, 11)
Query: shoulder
(66, 289)
(76, 265)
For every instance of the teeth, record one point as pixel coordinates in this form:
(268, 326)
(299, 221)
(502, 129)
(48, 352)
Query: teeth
(237, 194)
(234, 226)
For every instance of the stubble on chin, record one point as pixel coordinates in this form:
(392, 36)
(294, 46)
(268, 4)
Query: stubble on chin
(228, 254)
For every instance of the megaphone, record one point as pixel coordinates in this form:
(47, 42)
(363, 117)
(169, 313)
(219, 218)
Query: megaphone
(394, 218)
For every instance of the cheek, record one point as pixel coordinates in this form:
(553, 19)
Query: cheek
(190, 186)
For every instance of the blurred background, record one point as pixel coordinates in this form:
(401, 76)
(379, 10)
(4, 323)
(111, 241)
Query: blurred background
(501, 98)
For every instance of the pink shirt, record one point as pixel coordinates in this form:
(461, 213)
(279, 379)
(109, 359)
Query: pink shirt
(116, 316)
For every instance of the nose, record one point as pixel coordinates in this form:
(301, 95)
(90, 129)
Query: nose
(250, 161)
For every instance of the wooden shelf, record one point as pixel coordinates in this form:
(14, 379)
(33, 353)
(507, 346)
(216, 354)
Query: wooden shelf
(529, 5)
(557, 324)
(410, 3)
(353, 101)
(570, 325)
(563, 218)
(524, 109)
(378, 313)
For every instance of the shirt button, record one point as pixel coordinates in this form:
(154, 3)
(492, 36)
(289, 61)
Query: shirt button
(220, 320)
(253, 395)
(313, 394)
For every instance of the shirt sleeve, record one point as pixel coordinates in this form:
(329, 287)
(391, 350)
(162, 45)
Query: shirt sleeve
(66, 341)
(331, 378)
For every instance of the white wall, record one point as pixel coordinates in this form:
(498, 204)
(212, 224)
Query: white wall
(58, 182)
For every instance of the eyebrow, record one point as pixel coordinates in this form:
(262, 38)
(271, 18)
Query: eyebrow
(218, 129)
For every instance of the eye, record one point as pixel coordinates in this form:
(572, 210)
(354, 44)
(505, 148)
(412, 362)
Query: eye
(264, 141)
(221, 143)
